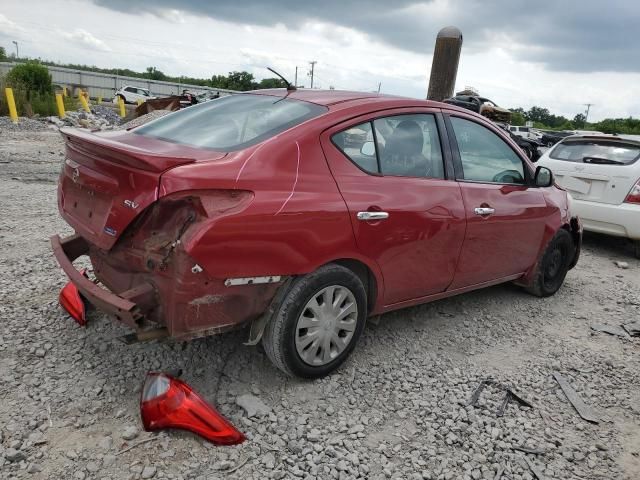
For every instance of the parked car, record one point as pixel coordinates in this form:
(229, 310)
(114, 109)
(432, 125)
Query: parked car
(529, 133)
(133, 94)
(483, 106)
(302, 213)
(602, 174)
(529, 146)
(551, 137)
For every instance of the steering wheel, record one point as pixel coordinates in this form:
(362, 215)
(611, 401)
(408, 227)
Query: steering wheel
(508, 176)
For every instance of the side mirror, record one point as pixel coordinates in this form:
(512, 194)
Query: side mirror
(543, 177)
(368, 149)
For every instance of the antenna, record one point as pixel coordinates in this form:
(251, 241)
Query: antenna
(290, 87)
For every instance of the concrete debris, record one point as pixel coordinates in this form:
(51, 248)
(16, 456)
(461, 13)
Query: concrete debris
(632, 328)
(253, 405)
(620, 264)
(610, 329)
(142, 119)
(582, 408)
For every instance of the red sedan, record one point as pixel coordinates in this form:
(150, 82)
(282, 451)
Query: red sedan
(301, 214)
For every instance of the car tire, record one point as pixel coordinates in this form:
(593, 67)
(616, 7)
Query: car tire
(301, 351)
(553, 265)
(636, 248)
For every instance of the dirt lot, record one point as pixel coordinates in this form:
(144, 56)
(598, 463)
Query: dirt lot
(397, 409)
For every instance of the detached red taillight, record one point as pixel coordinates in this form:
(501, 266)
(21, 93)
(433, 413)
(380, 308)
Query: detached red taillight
(167, 402)
(634, 194)
(72, 302)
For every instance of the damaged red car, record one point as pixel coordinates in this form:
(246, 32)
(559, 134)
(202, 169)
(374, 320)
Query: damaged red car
(301, 213)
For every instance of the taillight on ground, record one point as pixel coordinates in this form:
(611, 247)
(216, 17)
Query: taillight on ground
(72, 302)
(167, 402)
(634, 194)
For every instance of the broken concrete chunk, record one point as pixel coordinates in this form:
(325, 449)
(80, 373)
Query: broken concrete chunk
(632, 329)
(623, 265)
(253, 405)
(582, 408)
(610, 329)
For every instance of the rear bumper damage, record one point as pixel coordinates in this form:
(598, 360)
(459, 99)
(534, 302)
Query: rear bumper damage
(129, 307)
(176, 300)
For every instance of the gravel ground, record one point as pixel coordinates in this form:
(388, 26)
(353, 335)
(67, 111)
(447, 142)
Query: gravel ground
(397, 409)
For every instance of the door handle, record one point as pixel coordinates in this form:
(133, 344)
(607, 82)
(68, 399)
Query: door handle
(484, 211)
(367, 216)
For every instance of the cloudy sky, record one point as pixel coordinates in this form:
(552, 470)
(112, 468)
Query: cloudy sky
(559, 54)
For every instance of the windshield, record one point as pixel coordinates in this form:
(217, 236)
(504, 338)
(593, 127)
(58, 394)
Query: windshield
(231, 123)
(578, 150)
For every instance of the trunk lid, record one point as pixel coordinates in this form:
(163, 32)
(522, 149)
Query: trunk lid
(109, 178)
(596, 169)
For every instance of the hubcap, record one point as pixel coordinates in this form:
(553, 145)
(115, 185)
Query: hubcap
(554, 265)
(326, 325)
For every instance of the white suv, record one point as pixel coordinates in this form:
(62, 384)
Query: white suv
(133, 94)
(602, 174)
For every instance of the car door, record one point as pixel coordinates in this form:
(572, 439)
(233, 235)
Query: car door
(505, 212)
(406, 211)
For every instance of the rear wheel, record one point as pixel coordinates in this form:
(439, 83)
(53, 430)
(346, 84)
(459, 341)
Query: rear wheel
(318, 323)
(553, 265)
(636, 248)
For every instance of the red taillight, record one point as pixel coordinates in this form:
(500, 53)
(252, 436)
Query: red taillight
(72, 302)
(634, 194)
(167, 402)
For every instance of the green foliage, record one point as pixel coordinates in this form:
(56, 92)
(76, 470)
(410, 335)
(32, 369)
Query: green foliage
(43, 104)
(629, 126)
(154, 74)
(579, 121)
(3, 54)
(517, 117)
(31, 77)
(271, 83)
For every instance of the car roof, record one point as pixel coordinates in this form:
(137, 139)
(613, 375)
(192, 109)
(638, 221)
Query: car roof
(333, 97)
(605, 136)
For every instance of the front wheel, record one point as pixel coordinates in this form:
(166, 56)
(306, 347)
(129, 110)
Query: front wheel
(553, 265)
(318, 323)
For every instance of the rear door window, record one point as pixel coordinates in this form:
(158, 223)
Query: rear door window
(231, 123)
(596, 151)
(400, 145)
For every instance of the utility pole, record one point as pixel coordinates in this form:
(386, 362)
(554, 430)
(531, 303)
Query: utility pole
(295, 79)
(17, 52)
(379, 86)
(312, 63)
(586, 115)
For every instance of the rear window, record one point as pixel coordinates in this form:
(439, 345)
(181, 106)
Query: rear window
(231, 123)
(596, 151)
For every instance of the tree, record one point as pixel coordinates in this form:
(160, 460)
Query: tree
(517, 116)
(31, 77)
(154, 74)
(242, 81)
(272, 83)
(3, 54)
(579, 120)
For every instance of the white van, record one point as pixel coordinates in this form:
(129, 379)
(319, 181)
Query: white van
(602, 174)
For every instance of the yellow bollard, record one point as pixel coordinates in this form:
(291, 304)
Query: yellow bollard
(123, 112)
(83, 101)
(99, 100)
(60, 104)
(140, 102)
(64, 92)
(13, 113)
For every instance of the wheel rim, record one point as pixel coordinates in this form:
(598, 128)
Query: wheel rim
(554, 265)
(326, 325)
